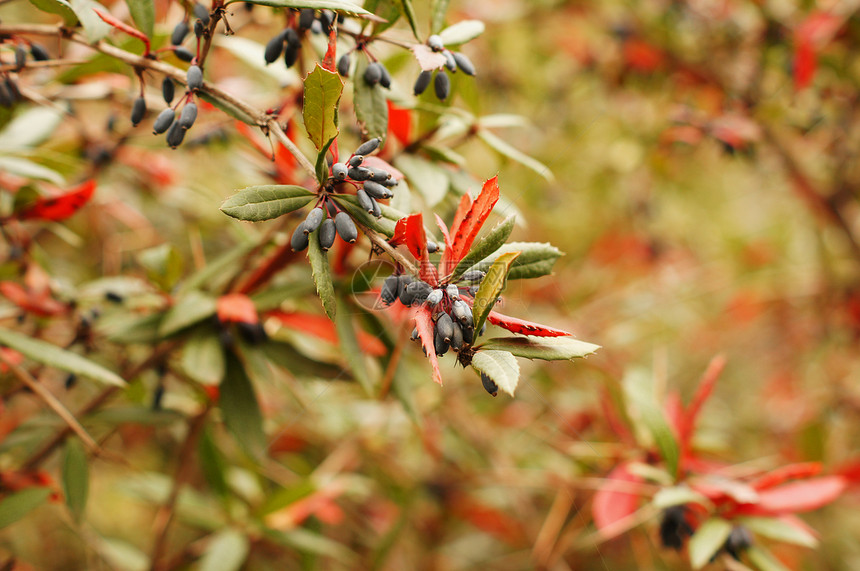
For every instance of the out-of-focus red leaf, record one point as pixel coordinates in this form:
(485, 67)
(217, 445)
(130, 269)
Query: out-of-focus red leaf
(850, 471)
(805, 63)
(785, 473)
(444, 229)
(318, 504)
(11, 356)
(735, 130)
(687, 134)
(322, 327)
(467, 230)
(61, 206)
(613, 419)
(37, 302)
(642, 56)
(488, 519)
(331, 51)
(400, 123)
(724, 490)
(424, 325)
(687, 422)
(617, 248)
(213, 392)
(123, 27)
(288, 440)
(523, 327)
(236, 308)
(409, 230)
(614, 500)
(796, 497)
(674, 411)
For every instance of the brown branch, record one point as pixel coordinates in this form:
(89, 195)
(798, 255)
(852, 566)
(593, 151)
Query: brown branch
(168, 510)
(381, 243)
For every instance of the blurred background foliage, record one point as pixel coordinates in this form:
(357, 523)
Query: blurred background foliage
(682, 144)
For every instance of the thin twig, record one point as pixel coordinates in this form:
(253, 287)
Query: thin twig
(53, 403)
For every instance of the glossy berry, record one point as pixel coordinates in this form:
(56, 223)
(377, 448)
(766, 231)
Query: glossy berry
(434, 297)
(385, 77)
(180, 30)
(376, 190)
(306, 18)
(194, 77)
(473, 276)
(138, 110)
(291, 55)
(432, 247)
(449, 61)
(377, 210)
(440, 344)
(314, 219)
(199, 29)
(355, 160)
(464, 63)
(168, 90)
(435, 43)
(201, 13)
(364, 201)
(39, 53)
(388, 293)
(372, 74)
(442, 85)
(184, 54)
(368, 146)
(343, 65)
(327, 234)
(489, 385)
(445, 326)
(674, 528)
(422, 82)
(175, 134)
(20, 57)
(291, 37)
(299, 239)
(339, 171)
(379, 175)
(345, 227)
(163, 121)
(457, 338)
(274, 48)
(188, 116)
(419, 290)
(359, 173)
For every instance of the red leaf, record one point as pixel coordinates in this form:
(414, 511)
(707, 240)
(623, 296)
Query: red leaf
(331, 51)
(851, 471)
(400, 123)
(642, 56)
(36, 302)
(488, 519)
(805, 63)
(614, 501)
(465, 230)
(10, 355)
(441, 224)
(410, 231)
(703, 392)
(424, 325)
(60, 207)
(515, 325)
(123, 27)
(378, 163)
(796, 497)
(236, 308)
(322, 328)
(785, 473)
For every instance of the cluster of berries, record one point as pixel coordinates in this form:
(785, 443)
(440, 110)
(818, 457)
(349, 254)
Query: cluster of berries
(374, 73)
(9, 92)
(289, 40)
(371, 184)
(166, 120)
(442, 83)
(452, 316)
(180, 32)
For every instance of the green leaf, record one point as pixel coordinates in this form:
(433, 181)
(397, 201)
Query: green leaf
(438, 10)
(764, 560)
(707, 540)
(500, 366)
(257, 203)
(217, 269)
(321, 97)
(59, 7)
(193, 307)
(202, 358)
(53, 356)
(491, 287)
(350, 348)
(546, 348)
(340, 5)
(163, 265)
(371, 106)
(322, 164)
(28, 169)
(94, 27)
(486, 246)
(409, 12)
(382, 225)
(18, 505)
(212, 463)
(462, 32)
(306, 541)
(76, 477)
(388, 10)
(134, 414)
(780, 530)
(503, 147)
(227, 107)
(321, 272)
(143, 14)
(30, 128)
(427, 177)
(536, 259)
(645, 409)
(676, 496)
(240, 407)
(227, 551)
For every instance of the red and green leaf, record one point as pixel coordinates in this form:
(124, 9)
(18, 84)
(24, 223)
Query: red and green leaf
(123, 27)
(424, 325)
(465, 232)
(236, 308)
(523, 327)
(59, 207)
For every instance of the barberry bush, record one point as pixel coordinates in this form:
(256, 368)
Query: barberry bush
(241, 240)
